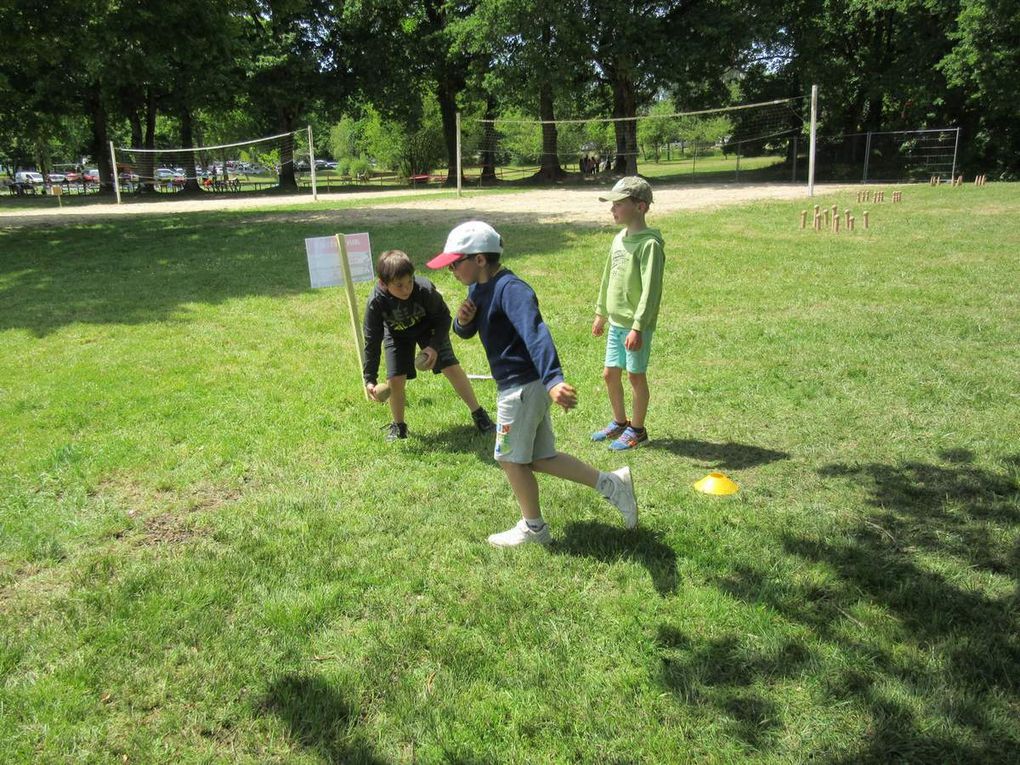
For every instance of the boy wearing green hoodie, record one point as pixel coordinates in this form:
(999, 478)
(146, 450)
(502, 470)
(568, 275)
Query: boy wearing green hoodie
(629, 298)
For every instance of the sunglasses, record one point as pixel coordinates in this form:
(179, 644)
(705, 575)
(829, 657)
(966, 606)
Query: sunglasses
(457, 262)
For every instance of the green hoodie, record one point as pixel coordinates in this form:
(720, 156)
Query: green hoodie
(632, 280)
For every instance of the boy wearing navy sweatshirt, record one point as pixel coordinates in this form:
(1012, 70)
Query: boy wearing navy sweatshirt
(503, 310)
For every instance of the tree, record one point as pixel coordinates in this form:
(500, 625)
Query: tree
(41, 75)
(534, 53)
(640, 48)
(296, 61)
(985, 63)
(660, 129)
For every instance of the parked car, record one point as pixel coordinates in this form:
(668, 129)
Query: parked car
(29, 177)
(72, 176)
(56, 177)
(126, 176)
(301, 164)
(164, 174)
(92, 175)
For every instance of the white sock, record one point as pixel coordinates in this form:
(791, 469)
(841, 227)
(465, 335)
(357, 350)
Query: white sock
(535, 524)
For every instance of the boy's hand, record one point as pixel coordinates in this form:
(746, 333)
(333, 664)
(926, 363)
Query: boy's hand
(466, 312)
(432, 354)
(633, 341)
(563, 395)
(598, 325)
(370, 387)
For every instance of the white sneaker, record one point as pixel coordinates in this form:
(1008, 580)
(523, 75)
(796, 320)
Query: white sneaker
(520, 535)
(623, 496)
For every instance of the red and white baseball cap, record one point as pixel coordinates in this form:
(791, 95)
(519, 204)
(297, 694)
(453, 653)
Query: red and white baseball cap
(471, 238)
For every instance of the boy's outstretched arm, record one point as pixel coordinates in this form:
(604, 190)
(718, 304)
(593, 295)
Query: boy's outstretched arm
(373, 332)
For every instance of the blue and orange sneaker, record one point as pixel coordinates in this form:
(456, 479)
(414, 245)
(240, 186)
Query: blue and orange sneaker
(612, 431)
(630, 439)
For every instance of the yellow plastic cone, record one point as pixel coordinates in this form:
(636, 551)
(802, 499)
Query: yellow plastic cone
(716, 483)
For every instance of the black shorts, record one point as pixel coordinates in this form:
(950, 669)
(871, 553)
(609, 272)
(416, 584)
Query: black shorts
(400, 356)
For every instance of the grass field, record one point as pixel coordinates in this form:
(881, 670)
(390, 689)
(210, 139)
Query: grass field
(209, 554)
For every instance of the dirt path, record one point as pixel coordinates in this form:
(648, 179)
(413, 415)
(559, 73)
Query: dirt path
(538, 206)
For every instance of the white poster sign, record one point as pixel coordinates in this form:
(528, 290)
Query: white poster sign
(324, 260)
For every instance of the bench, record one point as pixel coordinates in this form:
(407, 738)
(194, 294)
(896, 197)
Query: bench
(426, 178)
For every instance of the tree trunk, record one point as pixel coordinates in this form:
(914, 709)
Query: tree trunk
(488, 150)
(447, 94)
(100, 138)
(147, 165)
(550, 169)
(287, 179)
(188, 161)
(625, 106)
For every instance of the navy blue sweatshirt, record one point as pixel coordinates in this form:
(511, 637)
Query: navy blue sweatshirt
(516, 339)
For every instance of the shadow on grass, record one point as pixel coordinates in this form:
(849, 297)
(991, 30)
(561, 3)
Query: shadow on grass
(134, 270)
(908, 598)
(318, 719)
(462, 439)
(727, 456)
(719, 676)
(590, 539)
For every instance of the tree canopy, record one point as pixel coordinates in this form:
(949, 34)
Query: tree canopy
(386, 78)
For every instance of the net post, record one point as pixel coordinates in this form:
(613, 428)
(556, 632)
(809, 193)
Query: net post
(116, 179)
(867, 155)
(956, 146)
(459, 174)
(311, 163)
(811, 150)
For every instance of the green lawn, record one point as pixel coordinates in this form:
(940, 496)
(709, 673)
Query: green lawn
(209, 554)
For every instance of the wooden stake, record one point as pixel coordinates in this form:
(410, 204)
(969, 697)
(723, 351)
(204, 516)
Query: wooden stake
(818, 221)
(803, 218)
(850, 223)
(835, 225)
(847, 214)
(865, 219)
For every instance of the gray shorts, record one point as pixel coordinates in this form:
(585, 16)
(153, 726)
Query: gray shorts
(523, 425)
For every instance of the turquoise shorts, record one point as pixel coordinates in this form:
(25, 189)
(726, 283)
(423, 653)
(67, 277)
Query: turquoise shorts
(635, 362)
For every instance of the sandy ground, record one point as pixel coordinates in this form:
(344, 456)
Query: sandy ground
(577, 205)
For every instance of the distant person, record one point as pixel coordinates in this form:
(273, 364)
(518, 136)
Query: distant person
(403, 314)
(628, 299)
(502, 310)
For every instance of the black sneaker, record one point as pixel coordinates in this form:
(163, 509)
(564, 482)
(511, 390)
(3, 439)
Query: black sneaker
(396, 430)
(483, 421)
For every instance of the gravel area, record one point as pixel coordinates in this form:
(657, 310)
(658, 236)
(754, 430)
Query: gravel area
(578, 205)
